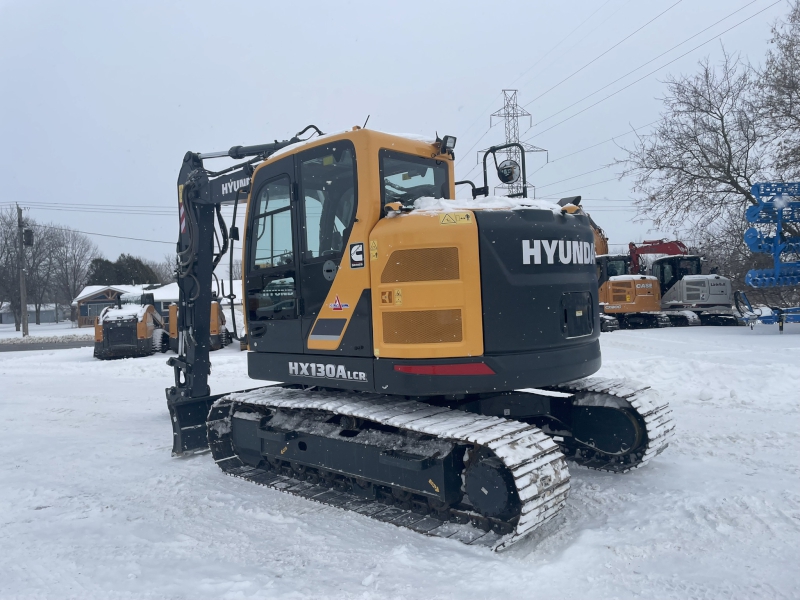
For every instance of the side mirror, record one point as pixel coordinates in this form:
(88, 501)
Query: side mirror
(508, 171)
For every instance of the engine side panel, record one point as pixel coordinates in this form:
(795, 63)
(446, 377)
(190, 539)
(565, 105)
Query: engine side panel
(539, 281)
(426, 289)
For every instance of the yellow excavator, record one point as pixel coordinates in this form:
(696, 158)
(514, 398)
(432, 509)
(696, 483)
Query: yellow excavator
(627, 300)
(435, 356)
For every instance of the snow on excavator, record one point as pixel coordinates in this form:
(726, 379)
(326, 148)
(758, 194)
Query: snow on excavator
(688, 296)
(130, 329)
(407, 330)
(626, 300)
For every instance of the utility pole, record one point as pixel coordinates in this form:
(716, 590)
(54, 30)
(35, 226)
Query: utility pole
(23, 296)
(511, 113)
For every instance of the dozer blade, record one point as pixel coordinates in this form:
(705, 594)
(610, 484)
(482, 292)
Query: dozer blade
(395, 460)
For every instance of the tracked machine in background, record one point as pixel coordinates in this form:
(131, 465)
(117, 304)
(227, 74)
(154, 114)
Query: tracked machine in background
(219, 336)
(133, 328)
(403, 338)
(627, 301)
(688, 297)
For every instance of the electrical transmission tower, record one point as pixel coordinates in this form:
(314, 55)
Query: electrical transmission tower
(511, 113)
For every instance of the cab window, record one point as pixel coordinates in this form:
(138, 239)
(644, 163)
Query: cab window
(328, 189)
(273, 226)
(405, 178)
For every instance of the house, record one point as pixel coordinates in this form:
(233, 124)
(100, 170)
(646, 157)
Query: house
(48, 313)
(94, 298)
(168, 294)
(88, 305)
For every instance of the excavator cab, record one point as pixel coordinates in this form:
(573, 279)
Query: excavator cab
(671, 269)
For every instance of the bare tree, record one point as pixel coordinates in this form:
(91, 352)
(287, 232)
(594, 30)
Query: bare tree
(779, 97)
(40, 264)
(236, 272)
(164, 269)
(9, 264)
(696, 169)
(73, 256)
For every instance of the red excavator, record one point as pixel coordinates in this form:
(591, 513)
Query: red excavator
(686, 294)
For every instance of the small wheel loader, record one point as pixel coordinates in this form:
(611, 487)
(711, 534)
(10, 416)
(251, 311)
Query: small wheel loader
(130, 329)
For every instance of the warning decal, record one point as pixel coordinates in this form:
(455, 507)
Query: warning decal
(373, 250)
(456, 218)
(337, 304)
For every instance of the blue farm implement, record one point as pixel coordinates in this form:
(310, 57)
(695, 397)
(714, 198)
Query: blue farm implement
(777, 205)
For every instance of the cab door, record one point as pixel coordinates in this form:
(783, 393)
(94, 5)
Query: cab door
(327, 206)
(273, 315)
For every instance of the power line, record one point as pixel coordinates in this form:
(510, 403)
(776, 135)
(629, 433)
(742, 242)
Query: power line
(120, 237)
(104, 212)
(654, 71)
(611, 139)
(599, 56)
(88, 204)
(564, 39)
(583, 186)
(647, 63)
(573, 177)
(488, 108)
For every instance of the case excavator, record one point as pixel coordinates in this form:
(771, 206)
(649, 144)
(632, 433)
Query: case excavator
(688, 297)
(435, 356)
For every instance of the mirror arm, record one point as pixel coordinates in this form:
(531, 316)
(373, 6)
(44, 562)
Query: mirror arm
(493, 150)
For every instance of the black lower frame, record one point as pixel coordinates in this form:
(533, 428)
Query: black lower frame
(105, 350)
(510, 371)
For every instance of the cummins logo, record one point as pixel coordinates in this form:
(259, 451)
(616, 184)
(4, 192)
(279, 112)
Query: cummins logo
(567, 252)
(327, 371)
(234, 186)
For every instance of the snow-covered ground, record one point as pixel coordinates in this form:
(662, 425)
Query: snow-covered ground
(93, 506)
(46, 332)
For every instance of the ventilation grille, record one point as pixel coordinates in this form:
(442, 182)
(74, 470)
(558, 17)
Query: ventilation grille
(621, 291)
(422, 326)
(421, 264)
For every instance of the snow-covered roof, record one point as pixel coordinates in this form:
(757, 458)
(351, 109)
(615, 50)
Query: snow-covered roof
(631, 277)
(91, 290)
(490, 202)
(166, 293)
(169, 292)
(427, 139)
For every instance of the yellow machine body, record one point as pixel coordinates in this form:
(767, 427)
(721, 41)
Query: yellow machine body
(219, 335)
(630, 295)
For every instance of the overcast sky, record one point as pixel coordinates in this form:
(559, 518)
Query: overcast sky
(100, 100)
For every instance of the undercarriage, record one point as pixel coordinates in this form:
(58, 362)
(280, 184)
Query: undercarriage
(486, 470)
